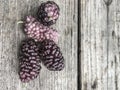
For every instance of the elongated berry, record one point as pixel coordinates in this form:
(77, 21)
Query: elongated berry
(29, 60)
(38, 31)
(51, 55)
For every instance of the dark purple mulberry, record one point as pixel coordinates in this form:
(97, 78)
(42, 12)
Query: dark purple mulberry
(48, 13)
(29, 60)
(51, 55)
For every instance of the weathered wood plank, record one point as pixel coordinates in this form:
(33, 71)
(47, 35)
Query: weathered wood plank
(114, 50)
(100, 44)
(11, 34)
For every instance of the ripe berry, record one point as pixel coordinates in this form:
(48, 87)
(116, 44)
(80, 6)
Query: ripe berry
(51, 55)
(29, 60)
(48, 13)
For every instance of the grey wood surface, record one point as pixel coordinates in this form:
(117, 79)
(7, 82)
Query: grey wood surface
(100, 44)
(11, 34)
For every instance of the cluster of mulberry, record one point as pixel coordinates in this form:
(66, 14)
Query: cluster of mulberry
(40, 46)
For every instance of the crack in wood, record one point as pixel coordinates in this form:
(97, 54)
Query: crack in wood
(107, 33)
(108, 3)
(94, 85)
(113, 33)
(116, 76)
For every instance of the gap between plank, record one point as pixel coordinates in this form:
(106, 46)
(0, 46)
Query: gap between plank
(79, 47)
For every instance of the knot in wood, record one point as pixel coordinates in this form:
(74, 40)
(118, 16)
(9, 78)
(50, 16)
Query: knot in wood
(108, 2)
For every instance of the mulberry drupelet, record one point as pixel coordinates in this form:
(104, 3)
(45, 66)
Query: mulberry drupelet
(29, 60)
(51, 55)
(48, 13)
(34, 29)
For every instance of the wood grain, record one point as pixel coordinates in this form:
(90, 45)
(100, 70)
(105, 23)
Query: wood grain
(11, 34)
(100, 39)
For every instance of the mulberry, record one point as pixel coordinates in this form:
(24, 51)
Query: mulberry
(38, 31)
(29, 60)
(51, 55)
(48, 13)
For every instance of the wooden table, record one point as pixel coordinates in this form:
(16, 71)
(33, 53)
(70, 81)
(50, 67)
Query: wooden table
(11, 34)
(90, 42)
